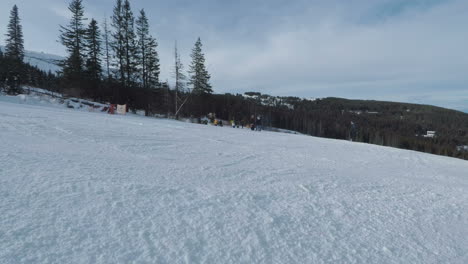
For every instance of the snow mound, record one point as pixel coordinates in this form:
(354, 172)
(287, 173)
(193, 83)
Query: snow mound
(82, 187)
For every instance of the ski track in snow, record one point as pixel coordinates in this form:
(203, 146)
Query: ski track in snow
(78, 187)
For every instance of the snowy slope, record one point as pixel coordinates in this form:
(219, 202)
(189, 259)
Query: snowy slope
(44, 61)
(79, 187)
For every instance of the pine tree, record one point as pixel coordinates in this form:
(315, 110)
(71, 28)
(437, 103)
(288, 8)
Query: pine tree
(152, 62)
(93, 48)
(179, 77)
(142, 27)
(199, 76)
(106, 35)
(148, 59)
(124, 42)
(73, 37)
(14, 43)
(14, 53)
(130, 42)
(117, 43)
(93, 57)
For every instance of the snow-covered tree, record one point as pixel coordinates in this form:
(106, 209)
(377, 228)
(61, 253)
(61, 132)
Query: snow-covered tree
(199, 76)
(179, 77)
(178, 71)
(73, 37)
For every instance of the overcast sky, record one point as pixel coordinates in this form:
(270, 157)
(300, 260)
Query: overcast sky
(398, 50)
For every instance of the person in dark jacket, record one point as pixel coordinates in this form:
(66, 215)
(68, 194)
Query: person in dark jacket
(252, 122)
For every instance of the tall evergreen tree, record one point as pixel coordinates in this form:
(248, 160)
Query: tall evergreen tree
(179, 77)
(14, 53)
(124, 42)
(142, 27)
(130, 45)
(93, 57)
(14, 43)
(93, 50)
(152, 62)
(73, 37)
(106, 36)
(199, 76)
(148, 59)
(117, 43)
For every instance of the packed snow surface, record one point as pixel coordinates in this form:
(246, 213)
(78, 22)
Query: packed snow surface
(82, 187)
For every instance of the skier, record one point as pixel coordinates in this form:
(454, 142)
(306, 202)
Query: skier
(252, 122)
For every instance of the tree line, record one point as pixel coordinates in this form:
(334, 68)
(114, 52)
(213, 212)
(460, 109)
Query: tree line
(118, 63)
(128, 54)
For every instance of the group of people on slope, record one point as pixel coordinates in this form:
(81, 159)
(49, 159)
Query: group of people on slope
(255, 122)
